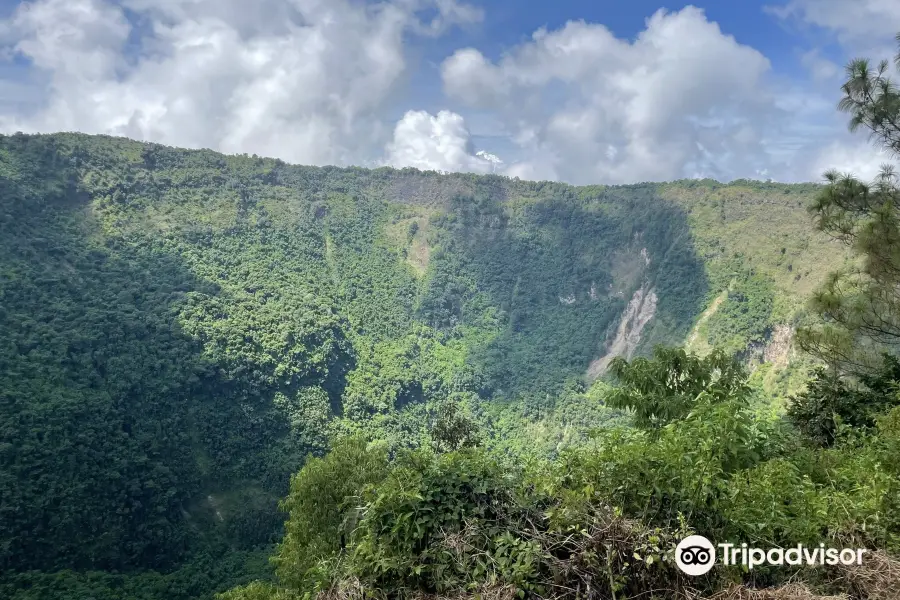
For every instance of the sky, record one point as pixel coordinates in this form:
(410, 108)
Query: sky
(582, 91)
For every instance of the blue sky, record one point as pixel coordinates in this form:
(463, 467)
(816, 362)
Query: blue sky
(508, 22)
(572, 90)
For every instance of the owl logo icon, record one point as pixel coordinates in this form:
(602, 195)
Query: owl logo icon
(695, 555)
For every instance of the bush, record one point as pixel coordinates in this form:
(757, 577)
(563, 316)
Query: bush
(829, 402)
(322, 502)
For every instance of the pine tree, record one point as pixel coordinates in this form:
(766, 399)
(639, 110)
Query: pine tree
(860, 306)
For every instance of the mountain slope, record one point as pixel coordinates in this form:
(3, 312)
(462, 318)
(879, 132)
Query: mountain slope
(181, 328)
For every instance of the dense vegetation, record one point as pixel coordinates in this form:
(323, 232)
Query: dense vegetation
(407, 364)
(183, 328)
(602, 519)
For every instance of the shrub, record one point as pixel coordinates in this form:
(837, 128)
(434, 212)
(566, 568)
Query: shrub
(322, 497)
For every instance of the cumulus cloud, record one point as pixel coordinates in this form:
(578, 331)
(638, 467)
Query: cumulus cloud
(859, 159)
(683, 99)
(856, 23)
(305, 80)
(819, 67)
(438, 143)
(313, 81)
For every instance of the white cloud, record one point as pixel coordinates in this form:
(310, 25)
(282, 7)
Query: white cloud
(438, 143)
(313, 81)
(305, 80)
(450, 12)
(855, 22)
(491, 158)
(820, 68)
(682, 98)
(860, 159)
(865, 28)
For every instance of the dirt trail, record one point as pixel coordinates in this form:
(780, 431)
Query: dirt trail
(705, 317)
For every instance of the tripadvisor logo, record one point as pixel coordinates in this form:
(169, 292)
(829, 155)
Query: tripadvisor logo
(696, 555)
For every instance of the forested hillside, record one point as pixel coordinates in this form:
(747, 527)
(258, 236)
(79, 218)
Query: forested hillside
(182, 328)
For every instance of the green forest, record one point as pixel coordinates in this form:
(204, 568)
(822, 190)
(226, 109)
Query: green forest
(228, 377)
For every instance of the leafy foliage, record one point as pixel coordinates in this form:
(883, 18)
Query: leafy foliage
(452, 428)
(744, 318)
(322, 497)
(183, 330)
(609, 512)
(672, 383)
(859, 304)
(829, 402)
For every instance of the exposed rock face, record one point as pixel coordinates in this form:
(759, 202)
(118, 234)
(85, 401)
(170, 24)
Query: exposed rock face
(779, 346)
(640, 311)
(775, 350)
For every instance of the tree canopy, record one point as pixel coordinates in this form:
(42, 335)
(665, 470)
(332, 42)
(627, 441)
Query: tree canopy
(860, 305)
(383, 379)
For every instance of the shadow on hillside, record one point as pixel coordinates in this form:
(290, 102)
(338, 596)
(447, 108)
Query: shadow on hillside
(118, 433)
(561, 269)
